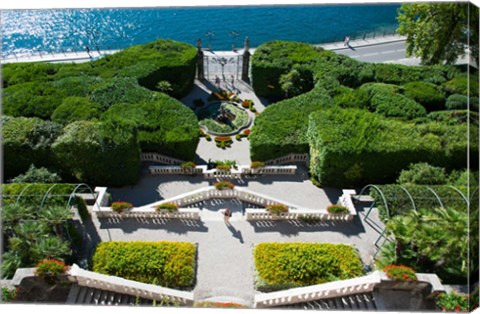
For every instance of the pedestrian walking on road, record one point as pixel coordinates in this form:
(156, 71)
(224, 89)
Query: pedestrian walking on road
(346, 42)
(226, 215)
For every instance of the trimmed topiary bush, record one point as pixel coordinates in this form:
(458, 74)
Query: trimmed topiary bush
(286, 265)
(99, 153)
(75, 109)
(463, 84)
(396, 106)
(457, 101)
(422, 173)
(167, 264)
(165, 126)
(28, 141)
(354, 147)
(427, 94)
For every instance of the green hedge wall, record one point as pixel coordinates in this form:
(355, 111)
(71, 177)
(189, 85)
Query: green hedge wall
(167, 264)
(27, 141)
(427, 94)
(396, 106)
(281, 128)
(75, 109)
(285, 265)
(272, 59)
(34, 193)
(165, 126)
(99, 153)
(355, 147)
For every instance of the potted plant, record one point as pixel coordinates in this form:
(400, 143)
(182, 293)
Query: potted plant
(120, 207)
(276, 209)
(337, 209)
(188, 166)
(50, 269)
(257, 164)
(224, 185)
(167, 207)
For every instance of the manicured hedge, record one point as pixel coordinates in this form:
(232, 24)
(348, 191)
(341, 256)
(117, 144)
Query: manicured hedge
(27, 141)
(355, 147)
(99, 153)
(76, 109)
(286, 265)
(463, 84)
(33, 194)
(165, 125)
(32, 99)
(455, 117)
(23, 72)
(272, 59)
(281, 128)
(167, 264)
(161, 60)
(396, 106)
(427, 94)
(402, 74)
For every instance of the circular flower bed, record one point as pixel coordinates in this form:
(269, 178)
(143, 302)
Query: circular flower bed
(209, 118)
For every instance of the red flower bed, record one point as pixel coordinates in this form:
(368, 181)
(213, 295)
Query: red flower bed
(400, 273)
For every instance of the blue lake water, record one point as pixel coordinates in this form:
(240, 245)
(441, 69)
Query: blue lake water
(27, 31)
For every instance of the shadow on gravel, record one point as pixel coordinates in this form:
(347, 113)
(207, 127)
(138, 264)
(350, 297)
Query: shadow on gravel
(129, 225)
(293, 227)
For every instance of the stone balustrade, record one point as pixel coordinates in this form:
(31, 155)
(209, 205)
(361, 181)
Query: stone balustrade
(102, 198)
(253, 214)
(156, 157)
(316, 292)
(288, 159)
(208, 193)
(124, 286)
(227, 174)
(144, 212)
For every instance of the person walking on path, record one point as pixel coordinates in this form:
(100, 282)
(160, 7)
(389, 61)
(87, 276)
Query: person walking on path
(346, 42)
(226, 215)
(232, 80)
(217, 81)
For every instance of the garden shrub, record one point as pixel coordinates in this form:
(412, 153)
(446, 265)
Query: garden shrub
(371, 89)
(165, 126)
(422, 173)
(82, 209)
(24, 72)
(281, 128)
(37, 175)
(297, 81)
(121, 90)
(460, 102)
(463, 84)
(402, 74)
(257, 164)
(120, 207)
(427, 94)
(75, 109)
(355, 147)
(397, 106)
(188, 165)
(99, 153)
(456, 301)
(352, 98)
(283, 265)
(273, 59)
(400, 273)
(167, 264)
(28, 141)
(32, 99)
(79, 85)
(455, 117)
(33, 196)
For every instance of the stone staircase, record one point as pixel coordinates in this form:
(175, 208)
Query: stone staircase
(91, 296)
(357, 302)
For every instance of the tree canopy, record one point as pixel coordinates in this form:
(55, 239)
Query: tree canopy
(438, 32)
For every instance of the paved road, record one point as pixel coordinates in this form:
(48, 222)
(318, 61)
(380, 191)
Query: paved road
(376, 53)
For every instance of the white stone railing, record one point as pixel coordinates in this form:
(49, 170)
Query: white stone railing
(143, 212)
(227, 174)
(346, 200)
(102, 198)
(322, 291)
(156, 157)
(340, 288)
(288, 159)
(129, 287)
(296, 214)
(210, 192)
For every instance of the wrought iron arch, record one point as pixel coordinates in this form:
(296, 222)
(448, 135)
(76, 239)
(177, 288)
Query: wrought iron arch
(21, 193)
(410, 197)
(436, 196)
(46, 195)
(461, 194)
(370, 186)
(75, 190)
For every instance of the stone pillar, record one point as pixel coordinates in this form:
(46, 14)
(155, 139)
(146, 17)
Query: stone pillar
(200, 64)
(246, 61)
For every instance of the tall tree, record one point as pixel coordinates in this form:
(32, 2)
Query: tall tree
(438, 32)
